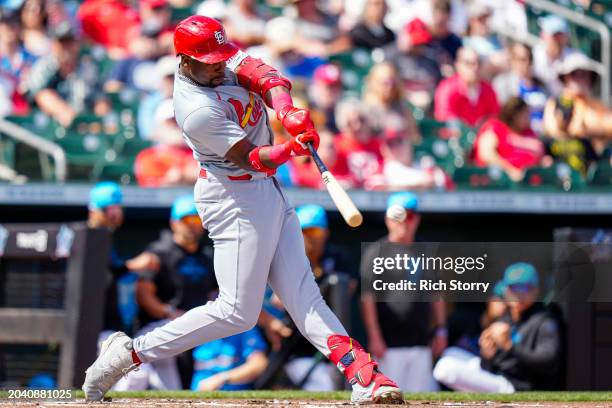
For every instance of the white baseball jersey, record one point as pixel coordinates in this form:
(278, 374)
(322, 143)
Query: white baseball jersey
(215, 119)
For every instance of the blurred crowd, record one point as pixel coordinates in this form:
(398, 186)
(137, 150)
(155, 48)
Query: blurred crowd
(383, 79)
(511, 343)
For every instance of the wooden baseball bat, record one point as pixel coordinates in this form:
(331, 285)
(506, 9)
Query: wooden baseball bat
(343, 202)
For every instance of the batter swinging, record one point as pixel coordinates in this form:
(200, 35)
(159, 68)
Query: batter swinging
(219, 98)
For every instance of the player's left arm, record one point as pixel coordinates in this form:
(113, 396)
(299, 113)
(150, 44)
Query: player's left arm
(267, 82)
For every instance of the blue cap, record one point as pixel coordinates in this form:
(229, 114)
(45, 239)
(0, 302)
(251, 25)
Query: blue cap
(312, 216)
(404, 199)
(499, 289)
(42, 381)
(105, 194)
(182, 207)
(521, 274)
(553, 24)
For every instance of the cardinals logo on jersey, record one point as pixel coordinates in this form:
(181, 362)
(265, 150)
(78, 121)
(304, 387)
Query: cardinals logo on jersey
(249, 114)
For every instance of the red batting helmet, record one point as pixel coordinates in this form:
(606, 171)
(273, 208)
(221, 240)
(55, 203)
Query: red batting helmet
(203, 38)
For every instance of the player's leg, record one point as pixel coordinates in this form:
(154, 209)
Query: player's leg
(293, 281)
(245, 235)
(460, 370)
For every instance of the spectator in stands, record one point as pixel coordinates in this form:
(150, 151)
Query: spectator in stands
(371, 32)
(164, 69)
(34, 27)
(170, 162)
(244, 23)
(480, 38)
(135, 71)
(509, 142)
(518, 353)
(399, 169)
(15, 62)
(403, 11)
(552, 49)
(356, 143)
(330, 266)
(175, 275)
(520, 81)
(155, 22)
(325, 91)
(444, 38)
(466, 96)
(576, 113)
(385, 103)
(110, 23)
(61, 83)
(231, 363)
(304, 172)
(399, 334)
(318, 33)
(279, 49)
(417, 63)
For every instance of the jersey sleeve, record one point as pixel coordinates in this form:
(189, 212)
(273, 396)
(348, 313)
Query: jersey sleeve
(211, 127)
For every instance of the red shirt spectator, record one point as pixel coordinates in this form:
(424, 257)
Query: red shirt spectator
(509, 142)
(363, 157)
(465, 96)
(304, 172)
(110, 23)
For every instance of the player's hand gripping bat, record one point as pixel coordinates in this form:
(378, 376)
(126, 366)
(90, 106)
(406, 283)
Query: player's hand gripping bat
(343, 202)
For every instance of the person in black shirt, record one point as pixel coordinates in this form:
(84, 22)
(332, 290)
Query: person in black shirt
(446, 41)
(175, 274)
(521, 351)
(371, 32)
(399, 333)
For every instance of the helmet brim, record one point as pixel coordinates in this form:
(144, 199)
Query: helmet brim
(223, 53)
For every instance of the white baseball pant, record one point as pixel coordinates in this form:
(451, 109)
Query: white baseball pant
(257, 240)
(460, 370)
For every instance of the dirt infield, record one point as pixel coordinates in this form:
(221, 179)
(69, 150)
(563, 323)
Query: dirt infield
(257, 403)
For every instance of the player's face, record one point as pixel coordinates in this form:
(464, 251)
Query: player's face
(205, 74)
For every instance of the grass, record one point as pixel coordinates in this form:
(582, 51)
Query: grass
(564, 396)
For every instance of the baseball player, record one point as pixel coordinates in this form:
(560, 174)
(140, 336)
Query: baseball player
(219, 98)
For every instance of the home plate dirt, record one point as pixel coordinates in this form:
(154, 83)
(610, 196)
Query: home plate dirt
(257, 403)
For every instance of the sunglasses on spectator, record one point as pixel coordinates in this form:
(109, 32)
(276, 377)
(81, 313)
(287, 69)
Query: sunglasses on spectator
(313, 232)
(191, 219)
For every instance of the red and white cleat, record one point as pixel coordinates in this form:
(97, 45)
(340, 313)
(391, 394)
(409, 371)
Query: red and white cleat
(115, 361)
(380, 391)
(370, 386)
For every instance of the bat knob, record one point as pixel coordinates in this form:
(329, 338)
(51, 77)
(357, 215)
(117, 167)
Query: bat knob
(355, 220)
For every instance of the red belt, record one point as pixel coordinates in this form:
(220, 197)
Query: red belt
(232, 178)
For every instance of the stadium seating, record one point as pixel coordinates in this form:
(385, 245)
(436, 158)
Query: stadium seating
(560, 176)
(481, 178)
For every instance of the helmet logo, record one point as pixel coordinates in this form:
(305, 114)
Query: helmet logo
(219, 37)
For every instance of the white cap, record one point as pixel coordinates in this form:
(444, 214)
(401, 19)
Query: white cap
(281, 32)
(574, 62)
(213, 9)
